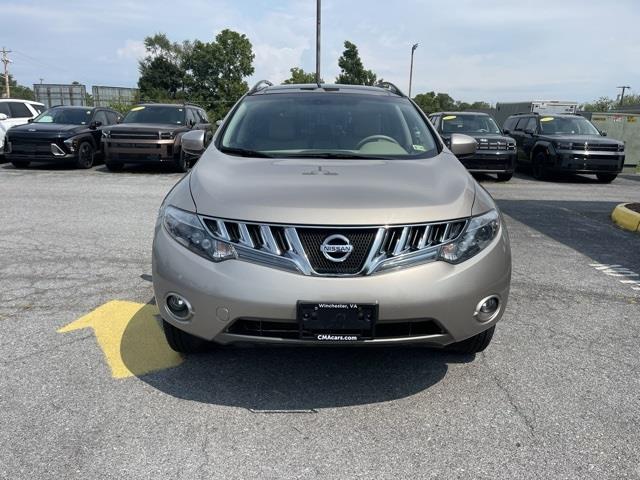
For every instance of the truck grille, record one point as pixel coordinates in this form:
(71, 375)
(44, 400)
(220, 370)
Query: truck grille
(300, 248)
(486, 144)
(135, 135)
(595, 147)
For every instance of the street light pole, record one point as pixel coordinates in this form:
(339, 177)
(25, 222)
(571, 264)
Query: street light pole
(318, 11)
(413, 49)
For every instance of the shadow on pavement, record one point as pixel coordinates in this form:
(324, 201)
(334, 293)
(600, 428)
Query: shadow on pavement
(283, 378)
(145, 168)
(584, 226)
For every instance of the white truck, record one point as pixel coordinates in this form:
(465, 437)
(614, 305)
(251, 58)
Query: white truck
(543, 107)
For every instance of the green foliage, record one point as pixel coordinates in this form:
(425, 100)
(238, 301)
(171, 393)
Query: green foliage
(352, 71)
(605, 104)
(298, 76)
(432, 102)
(211, 74)
(19, 91)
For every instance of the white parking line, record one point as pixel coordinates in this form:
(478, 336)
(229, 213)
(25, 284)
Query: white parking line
(618, 271)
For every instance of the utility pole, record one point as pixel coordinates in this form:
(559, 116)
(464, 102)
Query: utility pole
(413, 49)
(625, 87)
(6, 62)
(318, 16)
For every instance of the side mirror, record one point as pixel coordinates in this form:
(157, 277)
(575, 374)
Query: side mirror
(506, 131)
(463, 145)
(529, 131)
(193, 142)
(604, 134)
(94, 125)
(3, 116)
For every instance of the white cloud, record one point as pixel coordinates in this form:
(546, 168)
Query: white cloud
(132, 50)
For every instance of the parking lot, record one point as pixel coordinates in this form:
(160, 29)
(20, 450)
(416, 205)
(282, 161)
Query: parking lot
(98, 395)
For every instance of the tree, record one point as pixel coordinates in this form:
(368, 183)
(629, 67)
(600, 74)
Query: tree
(352, 71)
(162, 76)
(431, 102)
(603, 104)
(298, 75)
(19, 91)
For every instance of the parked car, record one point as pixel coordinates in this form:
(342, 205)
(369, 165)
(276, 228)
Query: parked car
(564, 143)
(62, 134)
(153, 133)
(496, 152)
(16, 112)
(329, 214)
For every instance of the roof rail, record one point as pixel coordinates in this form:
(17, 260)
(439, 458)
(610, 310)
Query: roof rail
(192, 104)
(391, 87)
(261, 85)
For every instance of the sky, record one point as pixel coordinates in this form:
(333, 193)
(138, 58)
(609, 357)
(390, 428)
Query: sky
(490, 50)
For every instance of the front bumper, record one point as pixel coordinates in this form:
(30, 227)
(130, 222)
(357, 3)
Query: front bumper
(583, 161)
(138, 150)
(223, 293)
(491, 161)
(40, 152)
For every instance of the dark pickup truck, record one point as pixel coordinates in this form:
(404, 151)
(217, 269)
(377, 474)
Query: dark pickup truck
(496, 152)
(153, 133)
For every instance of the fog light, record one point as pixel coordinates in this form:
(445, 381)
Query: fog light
(488, 308)
(178, 306)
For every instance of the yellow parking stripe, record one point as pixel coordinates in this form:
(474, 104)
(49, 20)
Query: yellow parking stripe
(130, 338)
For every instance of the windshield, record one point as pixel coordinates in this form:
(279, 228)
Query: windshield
(469, 124)
(326, 125)
(67, 116)
(567, 126)
(155, 114)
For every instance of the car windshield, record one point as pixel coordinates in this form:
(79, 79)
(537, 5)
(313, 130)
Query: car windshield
(328, 125)
(469, 124)
(567, 126)
(155, 114)
(67, 116)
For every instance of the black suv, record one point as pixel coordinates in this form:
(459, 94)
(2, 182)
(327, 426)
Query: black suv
(60, 134)
(496, 152)
(153, 132)
(564, 143)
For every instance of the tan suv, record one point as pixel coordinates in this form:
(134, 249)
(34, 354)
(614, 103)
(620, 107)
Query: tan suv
(330, 214)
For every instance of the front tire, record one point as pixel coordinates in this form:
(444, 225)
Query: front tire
(538, 168)
(86, 155)
(181, 341)
(504, 177)
(20, 163)
(606, 177)
(182, 162)
(475, 344)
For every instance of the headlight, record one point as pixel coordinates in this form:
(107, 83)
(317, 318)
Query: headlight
(106, 133)
(621, 147)
(186, 229)
(72, 144)
(563, 145)
(480, 231)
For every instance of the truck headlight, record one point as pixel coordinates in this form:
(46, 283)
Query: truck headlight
(479, 233)
(71, 144)
(187, 229)
(563, 145)
(621, 147)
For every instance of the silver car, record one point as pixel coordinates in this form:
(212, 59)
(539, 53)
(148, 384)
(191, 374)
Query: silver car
(329, 214)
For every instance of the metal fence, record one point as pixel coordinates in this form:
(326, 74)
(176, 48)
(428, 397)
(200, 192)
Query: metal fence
(106, 96)
(60, 94)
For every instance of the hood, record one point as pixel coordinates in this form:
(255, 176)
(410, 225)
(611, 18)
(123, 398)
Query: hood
(47, 129)
(145, 127)
(332, 192)
(582, 139)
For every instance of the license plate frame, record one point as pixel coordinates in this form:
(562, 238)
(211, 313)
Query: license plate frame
(336, 321)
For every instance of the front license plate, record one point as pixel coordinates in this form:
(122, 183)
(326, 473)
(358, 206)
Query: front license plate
(336, 322)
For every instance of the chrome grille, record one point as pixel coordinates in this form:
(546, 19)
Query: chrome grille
(488, 144)
(135, 134)
(297, 248)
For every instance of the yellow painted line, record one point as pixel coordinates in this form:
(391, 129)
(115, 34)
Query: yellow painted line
(130, 337)
(626, 218)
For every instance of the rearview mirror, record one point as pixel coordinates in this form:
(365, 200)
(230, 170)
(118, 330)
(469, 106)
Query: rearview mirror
(463, 145)
(193, 142)
(3, 116)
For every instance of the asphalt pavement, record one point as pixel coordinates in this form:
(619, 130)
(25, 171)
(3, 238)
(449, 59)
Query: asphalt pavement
(555, 396)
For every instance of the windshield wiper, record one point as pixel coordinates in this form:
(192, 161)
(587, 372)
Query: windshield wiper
(243, 152)
(333, 155)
